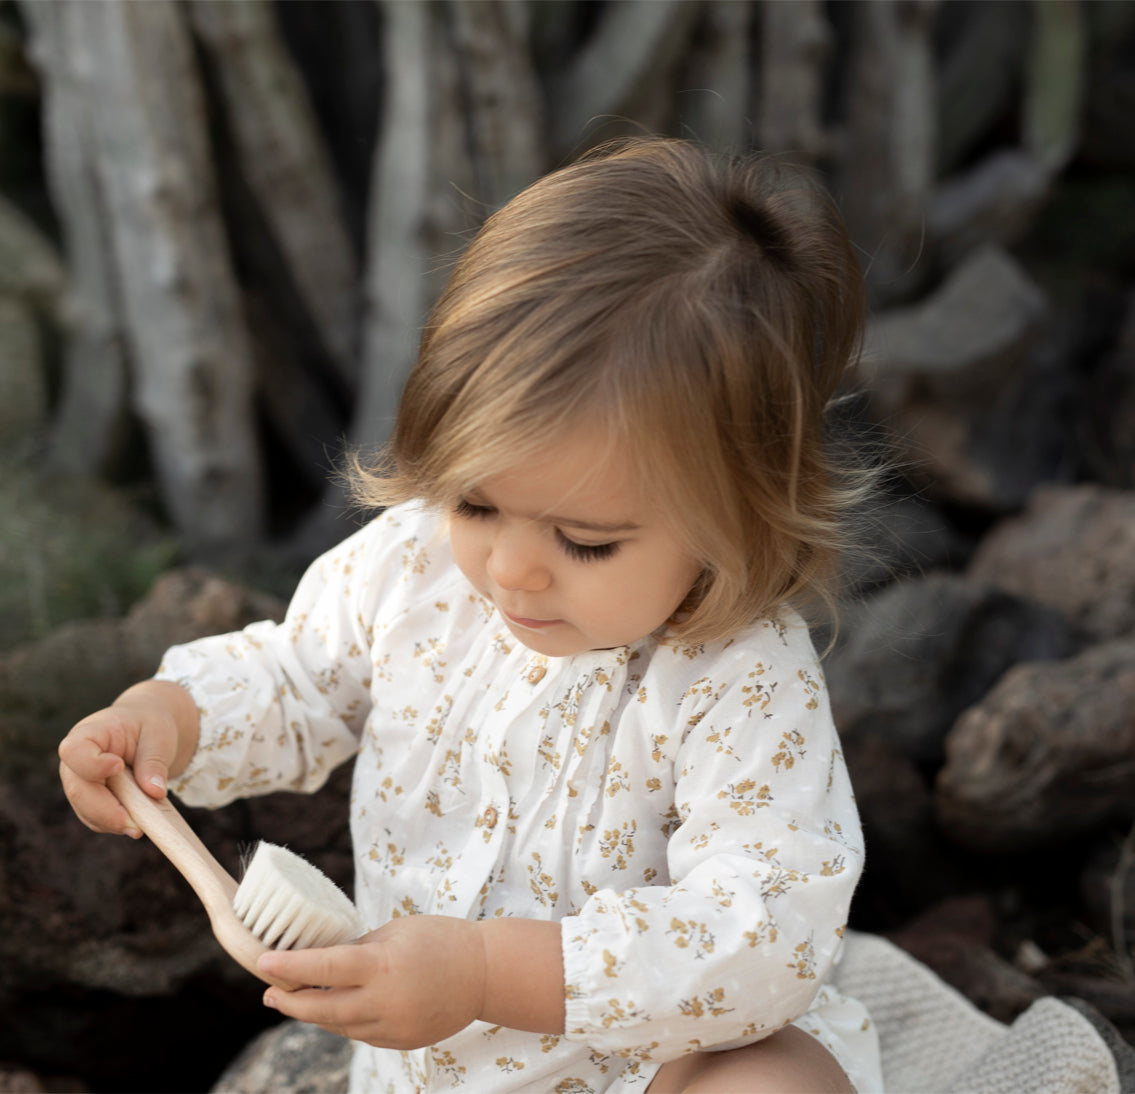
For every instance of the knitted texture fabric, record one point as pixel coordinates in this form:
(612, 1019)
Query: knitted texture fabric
(934, 1041)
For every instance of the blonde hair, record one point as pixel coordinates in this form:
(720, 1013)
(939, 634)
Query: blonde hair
(703, 310)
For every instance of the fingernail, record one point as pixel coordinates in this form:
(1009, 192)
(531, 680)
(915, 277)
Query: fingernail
(270, 1000)
(159, 782)
(134, 833)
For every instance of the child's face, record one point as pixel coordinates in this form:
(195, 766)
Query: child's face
(568, 550)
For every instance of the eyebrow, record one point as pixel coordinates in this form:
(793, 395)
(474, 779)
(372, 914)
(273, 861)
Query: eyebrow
(604, 527)
(592, 525)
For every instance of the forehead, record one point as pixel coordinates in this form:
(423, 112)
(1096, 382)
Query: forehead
(583, 474)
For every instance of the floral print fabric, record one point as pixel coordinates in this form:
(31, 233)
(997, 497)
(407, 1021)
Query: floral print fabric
(684, 812)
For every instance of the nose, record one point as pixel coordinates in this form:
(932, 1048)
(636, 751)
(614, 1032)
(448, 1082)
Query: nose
(516, 561)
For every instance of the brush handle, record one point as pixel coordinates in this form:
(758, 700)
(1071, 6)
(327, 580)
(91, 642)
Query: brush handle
(212, 883)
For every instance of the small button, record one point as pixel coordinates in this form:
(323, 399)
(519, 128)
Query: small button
(536, 673)
(490, 817)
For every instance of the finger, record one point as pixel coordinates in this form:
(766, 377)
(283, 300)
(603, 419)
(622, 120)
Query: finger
(151, 765)
(91, 752)
(336, 1009)
(96, 806)
(328, 966)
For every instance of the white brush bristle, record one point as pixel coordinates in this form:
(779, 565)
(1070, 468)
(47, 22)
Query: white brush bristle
(290, 904)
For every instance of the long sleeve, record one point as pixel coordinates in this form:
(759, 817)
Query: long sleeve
(282, 705)
(763, 859)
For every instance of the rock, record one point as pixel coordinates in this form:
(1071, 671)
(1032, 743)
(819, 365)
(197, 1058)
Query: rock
(1107, 886)
(1108, 426)
(955, 938)
(1072, 549)
(913, 656)
(46, 686)
(897, 811)
(108, 968)
(1047, 756)
(18, 1080)
(293, 1057)
(937, 372)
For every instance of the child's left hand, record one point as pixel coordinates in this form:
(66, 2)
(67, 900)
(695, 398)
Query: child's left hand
(412, 983)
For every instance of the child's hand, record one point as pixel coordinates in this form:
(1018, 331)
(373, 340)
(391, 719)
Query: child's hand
(152, 727)
(412, 983)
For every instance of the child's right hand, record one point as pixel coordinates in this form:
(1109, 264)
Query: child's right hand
(152, 727)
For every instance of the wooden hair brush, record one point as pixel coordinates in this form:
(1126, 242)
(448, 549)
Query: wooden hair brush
(283, 901)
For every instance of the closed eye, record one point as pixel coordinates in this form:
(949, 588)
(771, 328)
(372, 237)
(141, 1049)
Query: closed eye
(470, 511)
(579, 552)
(585, 552)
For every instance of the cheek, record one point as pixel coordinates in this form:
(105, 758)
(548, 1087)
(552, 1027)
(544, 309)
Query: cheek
(467, 554)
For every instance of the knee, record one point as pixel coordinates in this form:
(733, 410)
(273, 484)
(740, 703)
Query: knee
(789, 1061)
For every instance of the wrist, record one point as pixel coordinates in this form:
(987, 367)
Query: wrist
(523, 978)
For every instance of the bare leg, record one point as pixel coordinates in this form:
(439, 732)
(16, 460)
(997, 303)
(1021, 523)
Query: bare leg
(788, 1062)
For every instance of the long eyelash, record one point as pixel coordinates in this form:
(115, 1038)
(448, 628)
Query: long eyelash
(586, 552)
(470, 511)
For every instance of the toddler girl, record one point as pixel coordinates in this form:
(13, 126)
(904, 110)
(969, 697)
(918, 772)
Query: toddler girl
(603, 831)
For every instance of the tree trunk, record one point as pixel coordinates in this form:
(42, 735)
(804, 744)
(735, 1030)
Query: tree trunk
(190, 349)
(285, 164)
(795, 43)
(90, 420)
(632, 48)
(399, 208)
(890, 168)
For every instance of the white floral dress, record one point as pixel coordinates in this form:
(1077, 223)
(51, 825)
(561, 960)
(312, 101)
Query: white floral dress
(683, 812)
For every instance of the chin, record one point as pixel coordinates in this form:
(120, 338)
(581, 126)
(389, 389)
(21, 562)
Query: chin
(550, 644)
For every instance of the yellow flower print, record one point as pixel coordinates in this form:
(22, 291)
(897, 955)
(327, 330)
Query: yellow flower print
(833, 867)
(791, 750)
(508, 1064)
(692, 935)
(765, 932)
(757, 694)
(617, 843)
(708, 1004)
(622, 1012)
(446, 1063)
(414, 558)
(548, 754)
(745, 797)
(429, 654)
(542, 883)
(812, 688)
(617, 778)
(805, 962)
(780, 881)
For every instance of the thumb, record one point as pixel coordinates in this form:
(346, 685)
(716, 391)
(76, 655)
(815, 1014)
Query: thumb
(151, 769)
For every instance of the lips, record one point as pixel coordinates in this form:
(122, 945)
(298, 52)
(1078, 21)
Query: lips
(530, 624)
